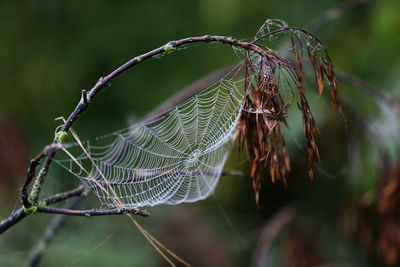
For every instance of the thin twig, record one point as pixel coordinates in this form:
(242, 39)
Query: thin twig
(32, 171)
(94, 212)
(13, 219)
(79, 191)
(76, 192)
(37, 186)
(170, 46)
(22, 212)
(232, 173)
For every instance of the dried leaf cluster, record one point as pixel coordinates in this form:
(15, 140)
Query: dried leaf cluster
(388, 243)
(374, 217)
(271, 83)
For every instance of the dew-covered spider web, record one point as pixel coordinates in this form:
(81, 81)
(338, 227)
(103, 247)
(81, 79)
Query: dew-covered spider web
(171, 158)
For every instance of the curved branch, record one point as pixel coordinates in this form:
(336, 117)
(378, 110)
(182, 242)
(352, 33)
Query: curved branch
(79, 191)
(32, 171)
(23, 212)
(170, 46)
(93, 212)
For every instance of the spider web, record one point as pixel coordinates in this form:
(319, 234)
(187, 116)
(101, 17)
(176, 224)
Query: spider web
(171, 158)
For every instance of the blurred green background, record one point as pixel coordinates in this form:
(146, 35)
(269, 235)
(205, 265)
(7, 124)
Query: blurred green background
(51, 50)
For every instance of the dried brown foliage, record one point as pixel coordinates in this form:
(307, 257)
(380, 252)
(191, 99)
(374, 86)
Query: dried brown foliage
(269, 92)
(388, 243)
(355, 218)
(375, 217)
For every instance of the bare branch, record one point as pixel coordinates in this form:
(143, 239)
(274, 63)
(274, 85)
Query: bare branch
(79, 191)
(32, 171)
(37, 186)
(21, 213)
(170, 46)
(93, 212)
(12, 220)
(232, 173)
